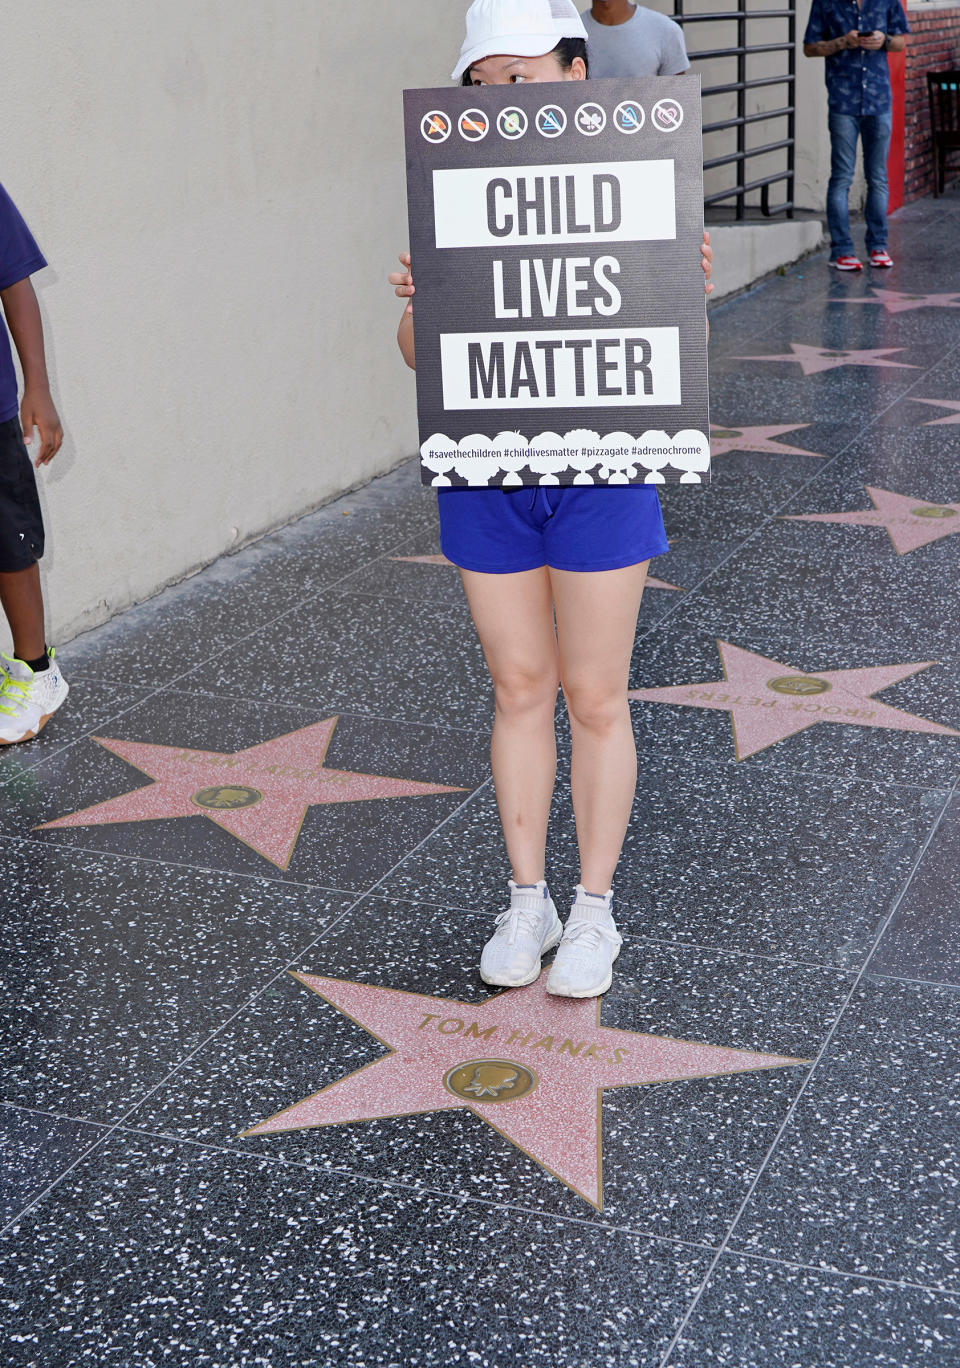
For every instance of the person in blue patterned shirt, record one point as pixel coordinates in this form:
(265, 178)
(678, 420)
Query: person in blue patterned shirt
(855, 38)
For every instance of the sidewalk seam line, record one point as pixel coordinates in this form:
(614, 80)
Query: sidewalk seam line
(162, 688)
(244, 1006)
(792, 1109)
(772, 517)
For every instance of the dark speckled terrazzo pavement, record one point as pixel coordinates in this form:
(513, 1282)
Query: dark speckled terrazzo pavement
(801, 902)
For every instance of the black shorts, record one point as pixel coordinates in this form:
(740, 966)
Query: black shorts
(21, 522)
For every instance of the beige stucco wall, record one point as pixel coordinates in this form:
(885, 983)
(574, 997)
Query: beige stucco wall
(218, 185)
(813, 140)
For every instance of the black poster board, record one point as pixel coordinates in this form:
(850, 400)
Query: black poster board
(559, 318)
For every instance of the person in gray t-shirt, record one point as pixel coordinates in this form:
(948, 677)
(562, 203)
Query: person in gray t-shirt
(629, 40)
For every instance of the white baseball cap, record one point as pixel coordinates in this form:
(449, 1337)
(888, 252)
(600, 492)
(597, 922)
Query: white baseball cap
(522, 28)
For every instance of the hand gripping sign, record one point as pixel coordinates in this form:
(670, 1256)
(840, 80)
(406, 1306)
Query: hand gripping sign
(559, 318)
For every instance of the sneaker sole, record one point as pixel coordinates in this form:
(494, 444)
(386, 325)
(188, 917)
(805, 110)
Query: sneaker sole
(550, 943)
(585, 993)
(851, 270)
(29, 736)
(880, 265)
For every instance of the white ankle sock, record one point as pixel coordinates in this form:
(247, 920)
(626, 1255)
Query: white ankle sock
(589, 907)
(531, 897)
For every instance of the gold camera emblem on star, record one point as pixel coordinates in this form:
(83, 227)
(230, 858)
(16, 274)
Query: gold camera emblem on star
(490, 1080)
(227, 796)
(804, 685)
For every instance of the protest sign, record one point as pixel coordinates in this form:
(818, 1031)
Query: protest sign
(559, 316)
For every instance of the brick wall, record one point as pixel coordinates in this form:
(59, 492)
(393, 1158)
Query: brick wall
(933, 45)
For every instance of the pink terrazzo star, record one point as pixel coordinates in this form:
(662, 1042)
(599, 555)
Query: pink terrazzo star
(760, 439)
(260, 795)
(910, 522)
(652, 583)
(815, 359)
(769, 701)
(952, 418)
(530, 1065)
(894, 301)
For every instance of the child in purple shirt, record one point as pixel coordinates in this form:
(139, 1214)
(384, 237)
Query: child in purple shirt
(32, 686)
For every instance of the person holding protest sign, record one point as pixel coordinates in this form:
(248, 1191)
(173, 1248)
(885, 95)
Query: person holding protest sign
(554, 578)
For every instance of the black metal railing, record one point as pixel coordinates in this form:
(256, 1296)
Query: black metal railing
(743, 49)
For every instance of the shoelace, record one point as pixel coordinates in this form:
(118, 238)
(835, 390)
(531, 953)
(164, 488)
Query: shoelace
(519, 919)
(590, 933)
(10, 688)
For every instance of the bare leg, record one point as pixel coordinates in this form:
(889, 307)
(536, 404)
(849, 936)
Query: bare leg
(596, 626)
(22, 602)
(514, 620)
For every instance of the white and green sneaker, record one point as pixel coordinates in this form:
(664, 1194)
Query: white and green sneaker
(28, 700)
(583, 966)
(525, 932)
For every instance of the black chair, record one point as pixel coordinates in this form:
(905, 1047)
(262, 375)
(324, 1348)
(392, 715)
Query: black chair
(943, 88)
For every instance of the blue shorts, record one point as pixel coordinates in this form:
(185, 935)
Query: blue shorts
(501, 532)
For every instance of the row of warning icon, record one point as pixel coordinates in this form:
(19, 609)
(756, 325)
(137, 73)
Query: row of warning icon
(550, 121)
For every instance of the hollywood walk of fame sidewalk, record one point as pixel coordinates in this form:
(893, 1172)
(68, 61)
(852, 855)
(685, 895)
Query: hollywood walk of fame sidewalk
(257, 1105)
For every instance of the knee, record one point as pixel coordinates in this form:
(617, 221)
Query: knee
(518, 691)
(596, 708)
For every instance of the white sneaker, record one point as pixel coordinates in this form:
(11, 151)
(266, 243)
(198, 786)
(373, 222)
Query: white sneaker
(526, 931)
(28, 700)
(584, 964)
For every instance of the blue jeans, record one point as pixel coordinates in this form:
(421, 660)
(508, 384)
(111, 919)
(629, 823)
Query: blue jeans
(845, 129)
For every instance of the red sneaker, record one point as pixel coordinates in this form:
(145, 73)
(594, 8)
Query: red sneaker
(848, 263)
(881, 258)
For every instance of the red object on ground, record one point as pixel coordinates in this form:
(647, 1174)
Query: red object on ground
(896, 158)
